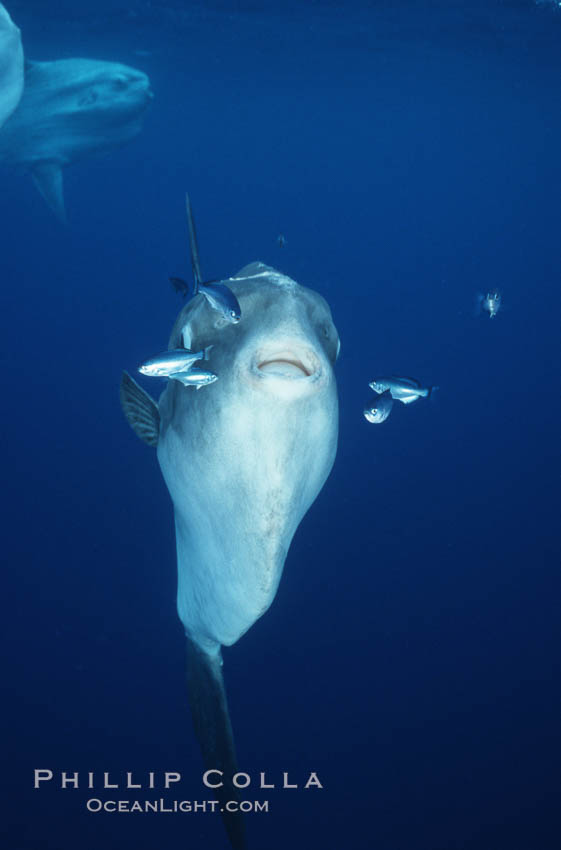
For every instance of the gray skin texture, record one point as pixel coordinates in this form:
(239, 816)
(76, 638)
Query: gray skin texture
(70, 109)
(11, 65)
(245, 457)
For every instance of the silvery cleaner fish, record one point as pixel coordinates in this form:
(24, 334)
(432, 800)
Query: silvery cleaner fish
(194, 378)
(379, 409)
(70, 109)
(405, 390)
(243, 461)
(11, 65)
(169, 362)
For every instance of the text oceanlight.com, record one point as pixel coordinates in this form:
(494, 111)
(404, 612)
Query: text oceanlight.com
(175, 806)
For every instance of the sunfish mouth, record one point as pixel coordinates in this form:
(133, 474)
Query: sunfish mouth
(291, 362)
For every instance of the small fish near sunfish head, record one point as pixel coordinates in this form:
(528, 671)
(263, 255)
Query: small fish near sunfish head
(194, 378)
(405, 390)
(379, 409)
(221, 298)
(167, 363)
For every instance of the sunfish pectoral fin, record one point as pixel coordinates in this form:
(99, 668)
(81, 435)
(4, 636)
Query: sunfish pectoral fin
(141, 411)
(209, 709)
(48, 179)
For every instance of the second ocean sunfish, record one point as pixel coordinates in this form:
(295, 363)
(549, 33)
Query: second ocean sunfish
(70, 109)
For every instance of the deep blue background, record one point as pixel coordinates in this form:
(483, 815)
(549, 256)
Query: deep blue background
(410, 153)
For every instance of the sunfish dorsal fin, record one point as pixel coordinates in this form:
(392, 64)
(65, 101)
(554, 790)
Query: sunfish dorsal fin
(48, 179)
(193, 245)
(141, 411)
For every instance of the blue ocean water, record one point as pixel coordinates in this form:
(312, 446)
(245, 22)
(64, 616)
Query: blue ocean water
(409, 154)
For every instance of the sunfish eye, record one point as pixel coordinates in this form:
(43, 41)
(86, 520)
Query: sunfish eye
(89, 98)
(120, 82)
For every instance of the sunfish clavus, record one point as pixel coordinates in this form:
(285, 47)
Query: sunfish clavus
(243, 460)
(11, 65)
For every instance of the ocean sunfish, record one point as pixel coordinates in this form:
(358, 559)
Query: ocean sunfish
(11, 66)
(72, 108)
(243, 461)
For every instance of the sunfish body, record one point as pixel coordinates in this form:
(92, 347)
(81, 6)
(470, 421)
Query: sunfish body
(405, 390)
(243, 462)
(71, 109)
(11, 66)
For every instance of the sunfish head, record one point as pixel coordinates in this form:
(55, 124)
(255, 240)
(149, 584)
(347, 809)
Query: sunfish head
(73, 107)
(245, 457)
(102, 93)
